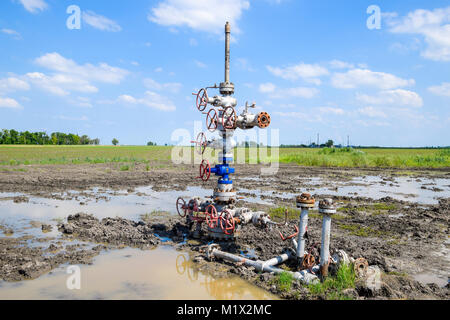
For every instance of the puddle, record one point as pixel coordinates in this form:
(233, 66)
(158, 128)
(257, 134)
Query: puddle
(158, 274)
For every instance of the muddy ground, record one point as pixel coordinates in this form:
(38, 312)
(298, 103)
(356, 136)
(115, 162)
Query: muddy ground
(401, 238)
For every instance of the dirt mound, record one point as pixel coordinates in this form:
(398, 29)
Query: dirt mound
(115, 231)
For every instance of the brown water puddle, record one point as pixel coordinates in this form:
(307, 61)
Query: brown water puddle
(163, 273)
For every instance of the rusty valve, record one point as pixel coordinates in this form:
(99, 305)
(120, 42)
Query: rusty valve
(202, 99)
(263, 120)
(205, 170)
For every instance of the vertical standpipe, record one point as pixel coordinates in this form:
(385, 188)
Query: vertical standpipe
(327, 209)
(227, 51)
(305, 202)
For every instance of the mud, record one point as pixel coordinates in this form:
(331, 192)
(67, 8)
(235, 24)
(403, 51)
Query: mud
(403, 238)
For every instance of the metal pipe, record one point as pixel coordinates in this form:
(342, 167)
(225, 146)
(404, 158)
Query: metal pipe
(277, 260)
(303, 276)
(227, 52)
(302, 231)
(325, 248)
(326, 208)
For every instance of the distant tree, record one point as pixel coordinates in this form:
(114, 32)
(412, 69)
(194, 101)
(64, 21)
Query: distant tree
(115, 141)
(151, 143)
(329, 143)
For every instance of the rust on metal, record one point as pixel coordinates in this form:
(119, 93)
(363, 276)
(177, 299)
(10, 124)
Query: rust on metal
(306, 198)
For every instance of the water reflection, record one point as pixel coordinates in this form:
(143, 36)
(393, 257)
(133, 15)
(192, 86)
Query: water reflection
(219, 288)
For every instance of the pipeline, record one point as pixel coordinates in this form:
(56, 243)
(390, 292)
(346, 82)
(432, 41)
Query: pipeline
(303, 276)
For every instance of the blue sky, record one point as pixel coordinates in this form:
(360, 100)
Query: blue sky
(316, 67)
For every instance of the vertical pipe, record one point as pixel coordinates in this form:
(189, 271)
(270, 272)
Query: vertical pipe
(303, 224)
(325, 247)
(227, 52)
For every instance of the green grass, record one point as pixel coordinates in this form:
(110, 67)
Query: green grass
(362, 231)
(333, 286)
(284, 281)
(326, 157)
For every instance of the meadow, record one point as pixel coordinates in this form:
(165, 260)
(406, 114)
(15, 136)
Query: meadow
(20, 155)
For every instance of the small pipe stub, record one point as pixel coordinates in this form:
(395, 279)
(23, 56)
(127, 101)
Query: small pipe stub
(305, 200)
(327, 207)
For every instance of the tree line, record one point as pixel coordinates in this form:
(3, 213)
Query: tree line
(42, 138)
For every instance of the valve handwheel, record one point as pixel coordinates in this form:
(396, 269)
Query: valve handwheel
(212, 217)
(229, 118)
(201, 143)
(202, 100)
(205, 170)
(227, 223)
(181, 207)
(212, 119)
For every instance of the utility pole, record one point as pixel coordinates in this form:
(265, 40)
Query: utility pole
(348, 141)
(318, 140)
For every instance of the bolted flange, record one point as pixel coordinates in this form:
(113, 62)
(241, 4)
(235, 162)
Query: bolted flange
(326, 207)
(305, 200)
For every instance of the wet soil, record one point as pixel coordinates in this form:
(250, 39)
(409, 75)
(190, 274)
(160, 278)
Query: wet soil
(402, 238)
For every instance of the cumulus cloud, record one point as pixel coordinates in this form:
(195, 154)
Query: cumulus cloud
(100, 22)
(203, 15)
(308, 72)
(9, 103)
(337, 64)
(366, 78)
(283, 93)
(432, 25)
(372, 112)
(151, 99)
(13, 84)
(34, 6)
(441, 90)
(394, 98)
(69, 76)
(173, 87)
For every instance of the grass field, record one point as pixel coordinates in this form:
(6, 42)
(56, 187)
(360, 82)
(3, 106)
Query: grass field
(346, 157)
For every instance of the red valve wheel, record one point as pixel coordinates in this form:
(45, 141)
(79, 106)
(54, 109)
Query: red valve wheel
(205, 170)
(201, 143)
(202, 100)
(181, 207)
(227, 223)
(212, 119)
(212, 217)
(229, 118)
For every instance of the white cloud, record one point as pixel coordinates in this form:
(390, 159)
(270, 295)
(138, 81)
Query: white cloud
(203, 15)
(13, 84)
(82, 118)
(441, 90)
(394, 98)
(363, 77)
(304, 116)
(14, 33)
(61, 84)
(193, 42)
(283, 93)
(151, 99)
(154, 85)
(267, 87)
(69, 76)
(159, 69)
(337, 64)
(100, 22)
(9, 103)
(330, 110)
(372, 112)
(308, 72)
(34, 6)
(433, 25)
(102, 73)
